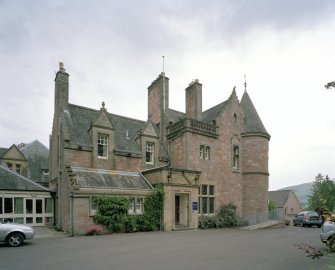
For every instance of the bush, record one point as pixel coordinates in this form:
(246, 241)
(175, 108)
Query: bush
(225, 217)
(208, 222)
(131, 224)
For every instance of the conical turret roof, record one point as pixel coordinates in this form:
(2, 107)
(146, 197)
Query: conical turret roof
(252, 122)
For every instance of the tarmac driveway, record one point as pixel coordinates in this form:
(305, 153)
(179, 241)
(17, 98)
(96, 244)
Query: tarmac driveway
(187, 250)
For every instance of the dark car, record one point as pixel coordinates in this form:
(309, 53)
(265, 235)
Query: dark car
(14, 234)
(308, 218)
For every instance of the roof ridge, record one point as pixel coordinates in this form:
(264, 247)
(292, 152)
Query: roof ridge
(176, 111)
(109, 113)
(33, 142)
(215, 106)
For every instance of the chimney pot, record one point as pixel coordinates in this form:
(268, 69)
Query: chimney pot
(61, 66)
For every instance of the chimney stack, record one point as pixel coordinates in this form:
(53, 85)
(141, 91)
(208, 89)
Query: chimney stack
(194, 100)
(61, 89)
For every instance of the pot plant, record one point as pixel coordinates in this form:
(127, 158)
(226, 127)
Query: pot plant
(93, 230)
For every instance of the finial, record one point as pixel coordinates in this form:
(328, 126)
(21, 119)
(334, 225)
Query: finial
(163, 65)
(245, 83)
(61, 66)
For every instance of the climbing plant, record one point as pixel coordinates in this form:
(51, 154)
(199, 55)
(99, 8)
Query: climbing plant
(112, 211)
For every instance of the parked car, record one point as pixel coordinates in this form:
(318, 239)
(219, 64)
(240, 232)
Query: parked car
(15, 234)
(327, 234)
(308, 218)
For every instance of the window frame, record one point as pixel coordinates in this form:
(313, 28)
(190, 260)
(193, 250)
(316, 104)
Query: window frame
(102, 143)
(204, 152)
(136, 205)
(93, 207)
(206, 199)
(18, 168)
(236, 157)
(149, 152)
(9, 165)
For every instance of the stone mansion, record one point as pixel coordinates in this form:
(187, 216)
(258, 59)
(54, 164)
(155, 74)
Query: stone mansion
(203, 159)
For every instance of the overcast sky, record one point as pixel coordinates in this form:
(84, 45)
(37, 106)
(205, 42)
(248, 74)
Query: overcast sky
(113, 51)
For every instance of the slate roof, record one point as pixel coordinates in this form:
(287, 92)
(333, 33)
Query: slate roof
(279, 197)
(3, 151)
(252, 121)
(212, 113)
(99, 178)
(38, 159)
(79, 120)
(10, 180)
(175, 116)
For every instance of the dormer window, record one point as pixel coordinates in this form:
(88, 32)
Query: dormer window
(18, 168)
(9, 165)
(102, 145)
(149, 153)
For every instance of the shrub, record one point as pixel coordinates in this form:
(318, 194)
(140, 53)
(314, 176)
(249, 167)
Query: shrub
(131, 224)
(225, 217)
(208, 222)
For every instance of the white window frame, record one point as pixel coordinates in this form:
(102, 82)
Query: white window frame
(21, 215)
(93, 207)
(205, 152)
(18, 168)
(102, 141)
(136, 205)
(149, 152)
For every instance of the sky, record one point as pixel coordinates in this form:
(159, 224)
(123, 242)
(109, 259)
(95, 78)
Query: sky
(113, 51)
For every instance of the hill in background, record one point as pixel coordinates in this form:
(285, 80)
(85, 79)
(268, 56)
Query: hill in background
(302, 191)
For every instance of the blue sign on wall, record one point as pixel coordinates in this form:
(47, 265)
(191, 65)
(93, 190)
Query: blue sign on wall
(194, 206)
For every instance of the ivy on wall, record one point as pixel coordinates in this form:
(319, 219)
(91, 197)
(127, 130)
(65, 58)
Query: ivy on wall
(112, 211)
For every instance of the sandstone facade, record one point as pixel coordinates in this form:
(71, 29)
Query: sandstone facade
(202, 158)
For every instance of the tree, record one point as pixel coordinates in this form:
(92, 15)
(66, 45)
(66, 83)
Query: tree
(323, 193)
(330, 85)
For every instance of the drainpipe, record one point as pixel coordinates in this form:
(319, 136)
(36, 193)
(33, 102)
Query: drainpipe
(58, 180)
(71, 213)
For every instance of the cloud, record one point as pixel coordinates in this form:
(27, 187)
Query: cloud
(113, 50)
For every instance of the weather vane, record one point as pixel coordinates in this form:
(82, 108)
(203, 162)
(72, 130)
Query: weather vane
(245, 82)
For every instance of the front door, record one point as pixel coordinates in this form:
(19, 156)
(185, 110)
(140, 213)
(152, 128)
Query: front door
(181, 210)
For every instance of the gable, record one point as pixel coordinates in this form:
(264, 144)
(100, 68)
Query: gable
(103, 120)
(13, 153)
(279, 197)
(149, 130)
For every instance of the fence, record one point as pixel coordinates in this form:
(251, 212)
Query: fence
(263, 217)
